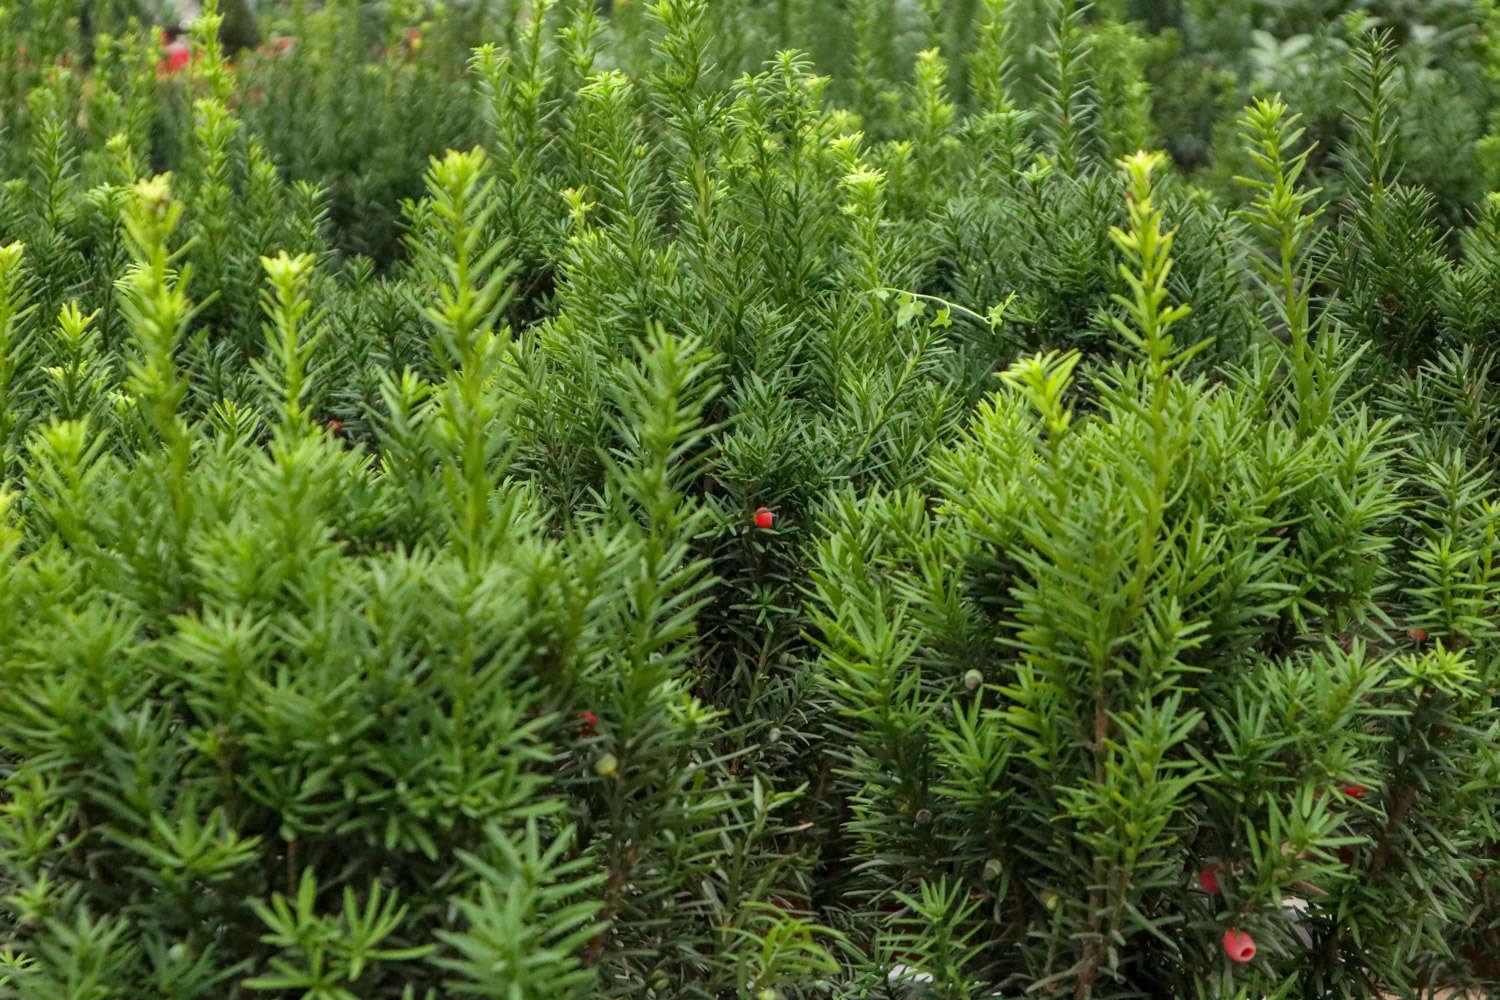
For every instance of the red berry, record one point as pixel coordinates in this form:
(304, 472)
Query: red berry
(587, 721)
(1208, 878)
(335, 427)
(1238, 945)
(1417, 634)
(178, 56)
(764, 518)
(1354, 791)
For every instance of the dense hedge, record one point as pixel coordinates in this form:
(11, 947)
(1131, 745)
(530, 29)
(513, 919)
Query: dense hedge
(749, 499)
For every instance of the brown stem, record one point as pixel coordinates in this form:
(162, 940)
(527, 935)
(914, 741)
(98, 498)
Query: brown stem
(619, 875)
(1406, 797)
(1093, 950)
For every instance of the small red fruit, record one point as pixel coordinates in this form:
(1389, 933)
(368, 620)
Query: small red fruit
(587, 722)
(178, 56)
(335, 427)
(1239, 946)
(764, 518)
(1208, 878)
(1417, 634)
(1354, 791)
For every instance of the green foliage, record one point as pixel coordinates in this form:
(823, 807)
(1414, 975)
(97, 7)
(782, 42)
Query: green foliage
(771, 500)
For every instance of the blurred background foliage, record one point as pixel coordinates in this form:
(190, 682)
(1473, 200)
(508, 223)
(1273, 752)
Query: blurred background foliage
(1171, 73)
